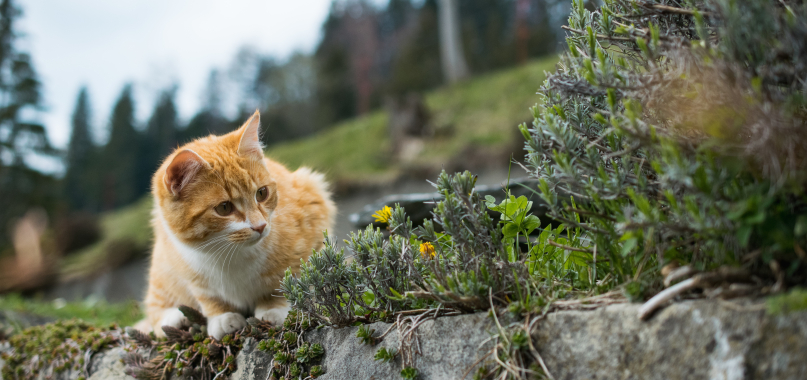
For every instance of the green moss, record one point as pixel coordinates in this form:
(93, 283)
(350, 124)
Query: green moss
(56, 347)
(292, 356)
(63, 345)
(792, 301)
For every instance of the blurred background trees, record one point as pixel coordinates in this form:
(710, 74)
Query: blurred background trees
(120, 158)
(81, 185)
(23, 141)
(368, 53)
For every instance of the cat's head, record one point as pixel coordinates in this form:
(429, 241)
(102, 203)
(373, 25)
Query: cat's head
(218, 188)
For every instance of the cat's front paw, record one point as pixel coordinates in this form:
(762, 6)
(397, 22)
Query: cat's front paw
(174, 318)
(223, 324)
(275, 315)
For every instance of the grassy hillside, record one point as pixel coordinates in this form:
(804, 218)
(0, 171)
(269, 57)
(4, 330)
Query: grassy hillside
(125, 232)
(481, 113)
(478, 113)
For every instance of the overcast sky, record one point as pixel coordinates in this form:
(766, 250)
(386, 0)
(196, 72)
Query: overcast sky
(105, 43)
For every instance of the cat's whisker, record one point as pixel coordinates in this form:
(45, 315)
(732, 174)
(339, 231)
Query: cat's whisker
(211, 241)
(215, 244)
(236, 251)
(227, 256)
(222, 263)
(221, 252)
(219, 248)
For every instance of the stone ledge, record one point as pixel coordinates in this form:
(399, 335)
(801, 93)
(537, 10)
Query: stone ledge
(688, 340)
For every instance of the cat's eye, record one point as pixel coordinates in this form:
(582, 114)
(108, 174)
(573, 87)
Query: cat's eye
(224, 208)
(262, 194)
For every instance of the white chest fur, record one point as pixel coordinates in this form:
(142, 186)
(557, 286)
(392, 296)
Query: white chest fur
(233, 272)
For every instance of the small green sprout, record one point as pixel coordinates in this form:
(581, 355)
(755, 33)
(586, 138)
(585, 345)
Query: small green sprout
(316, 371)
(409, 373)
(366, 335)
(294, 370)
(385, 355)
(290, 337)
(282, 357)
(520, 339)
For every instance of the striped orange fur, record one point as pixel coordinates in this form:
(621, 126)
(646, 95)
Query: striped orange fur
(228, 265)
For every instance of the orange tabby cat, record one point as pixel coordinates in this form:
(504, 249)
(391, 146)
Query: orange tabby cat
(227, 223)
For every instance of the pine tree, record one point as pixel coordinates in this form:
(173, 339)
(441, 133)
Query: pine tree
(120, 156)
(209, 119)
(81, 180)
(417, 67)
(160, 137)
(335, 92)
(21, 186)
(204, 123)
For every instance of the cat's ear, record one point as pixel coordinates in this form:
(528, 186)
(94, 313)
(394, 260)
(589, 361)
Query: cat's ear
(250, 143)
(185, 165)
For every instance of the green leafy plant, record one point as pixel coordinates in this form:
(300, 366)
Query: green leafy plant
(365, 334)
(385, 355)
(316, 371)
(409, 373)
(462, 259)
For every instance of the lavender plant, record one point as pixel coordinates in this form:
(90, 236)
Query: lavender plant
(678, 127)
(462, 260)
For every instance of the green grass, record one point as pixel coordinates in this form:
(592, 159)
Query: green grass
(97, 313)
(355, 151)
(792, 301)
(124, 232)
(479, 113)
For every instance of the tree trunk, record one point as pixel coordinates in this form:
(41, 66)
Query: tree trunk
(522, 31)
(451, 53)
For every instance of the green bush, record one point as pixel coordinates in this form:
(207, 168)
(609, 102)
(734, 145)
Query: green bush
(462, 258)
(681, 134)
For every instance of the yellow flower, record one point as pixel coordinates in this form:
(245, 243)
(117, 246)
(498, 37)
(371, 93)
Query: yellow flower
(427, 250)
(383, 215)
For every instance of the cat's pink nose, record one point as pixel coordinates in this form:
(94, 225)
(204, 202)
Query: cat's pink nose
(259, 228)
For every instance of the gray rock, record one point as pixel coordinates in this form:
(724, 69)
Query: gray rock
(450, 346)
(251, 363)
(689, 340)
(108, 366)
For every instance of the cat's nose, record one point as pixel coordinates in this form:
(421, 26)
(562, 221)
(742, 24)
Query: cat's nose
(259, 228)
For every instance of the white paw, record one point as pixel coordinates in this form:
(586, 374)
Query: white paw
(275, 315)
(174, 318)
(224, 324)
(144, 326)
